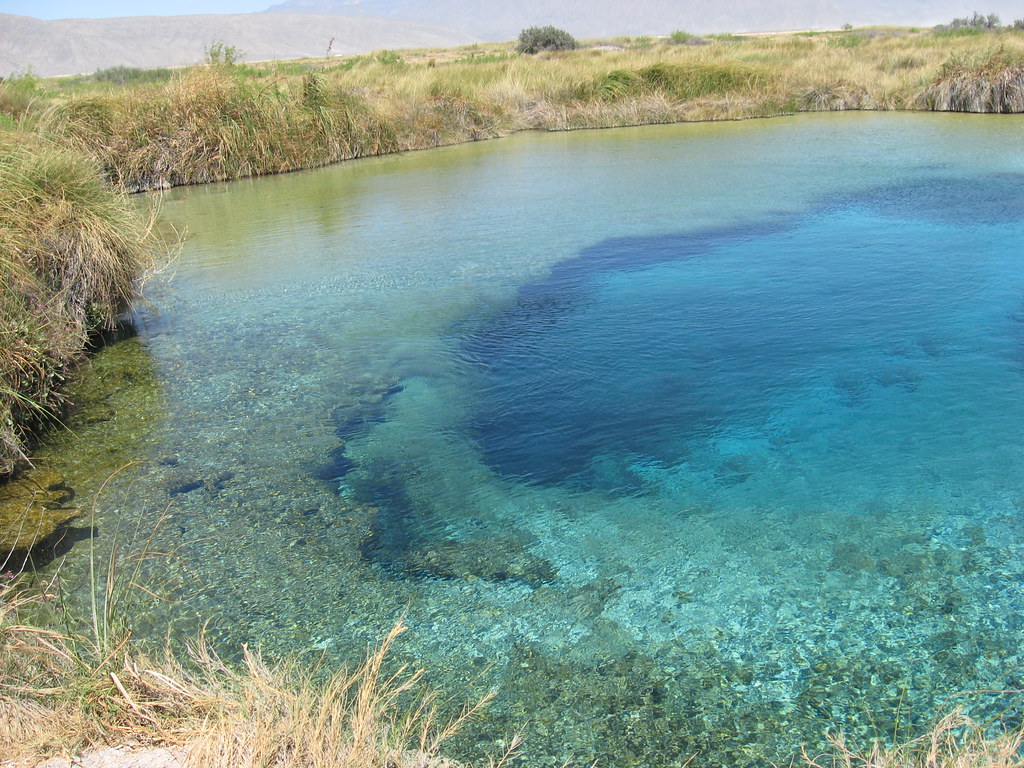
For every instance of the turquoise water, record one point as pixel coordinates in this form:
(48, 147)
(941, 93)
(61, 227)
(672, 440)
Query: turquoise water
(696, 439)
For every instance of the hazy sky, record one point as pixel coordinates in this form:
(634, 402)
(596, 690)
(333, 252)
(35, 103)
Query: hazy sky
(70, 9)
(94, 9)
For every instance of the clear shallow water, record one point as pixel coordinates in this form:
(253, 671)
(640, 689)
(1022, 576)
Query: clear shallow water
(689, 439)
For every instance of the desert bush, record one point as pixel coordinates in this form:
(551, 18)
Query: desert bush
(220, 54)
(390, 58)
(537, 39)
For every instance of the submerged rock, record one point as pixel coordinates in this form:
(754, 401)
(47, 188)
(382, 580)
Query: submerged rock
(501, 559)
(186, 487)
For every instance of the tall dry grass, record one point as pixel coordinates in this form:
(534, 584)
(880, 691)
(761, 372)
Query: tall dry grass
(64, 689)
(990, 82)
(72, 255)
(219, 121)
(955, 741)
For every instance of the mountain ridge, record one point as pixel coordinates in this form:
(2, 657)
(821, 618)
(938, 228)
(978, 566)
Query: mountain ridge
(598, 18)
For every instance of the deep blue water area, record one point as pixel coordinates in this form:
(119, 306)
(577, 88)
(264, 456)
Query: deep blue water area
(897, 312)
(687, 440)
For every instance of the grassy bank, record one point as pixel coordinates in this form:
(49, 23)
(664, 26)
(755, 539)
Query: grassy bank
(225, 121)
(72, 254)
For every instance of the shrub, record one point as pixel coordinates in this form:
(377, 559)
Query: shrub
(18, 93)
(218, 53)
(537, 39)
(390, 58)
(978, 22)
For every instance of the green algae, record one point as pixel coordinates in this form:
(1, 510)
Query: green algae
(36, 509)
(117, 403)
(114, 403)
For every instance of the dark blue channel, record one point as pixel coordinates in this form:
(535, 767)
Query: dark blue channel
(639, 349)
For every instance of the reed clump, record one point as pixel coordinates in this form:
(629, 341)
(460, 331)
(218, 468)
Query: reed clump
(212, 124)
(993, 82)
(834, 96)
(72, 256)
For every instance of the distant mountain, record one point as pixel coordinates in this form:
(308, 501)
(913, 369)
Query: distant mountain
(503, 19)
(71, 46)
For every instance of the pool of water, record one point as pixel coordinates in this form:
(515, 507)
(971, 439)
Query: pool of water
(697, 439)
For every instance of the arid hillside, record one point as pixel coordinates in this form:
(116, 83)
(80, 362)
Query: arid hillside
(71, 46)
(503, 19)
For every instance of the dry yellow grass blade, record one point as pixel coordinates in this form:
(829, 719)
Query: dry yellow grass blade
(60, 693)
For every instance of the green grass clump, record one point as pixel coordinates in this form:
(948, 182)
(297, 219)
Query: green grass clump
(19, 94)
(123, 76)
(848, 40)
(72, 254)
(958, 31)
(695, 81)
(680, 82)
